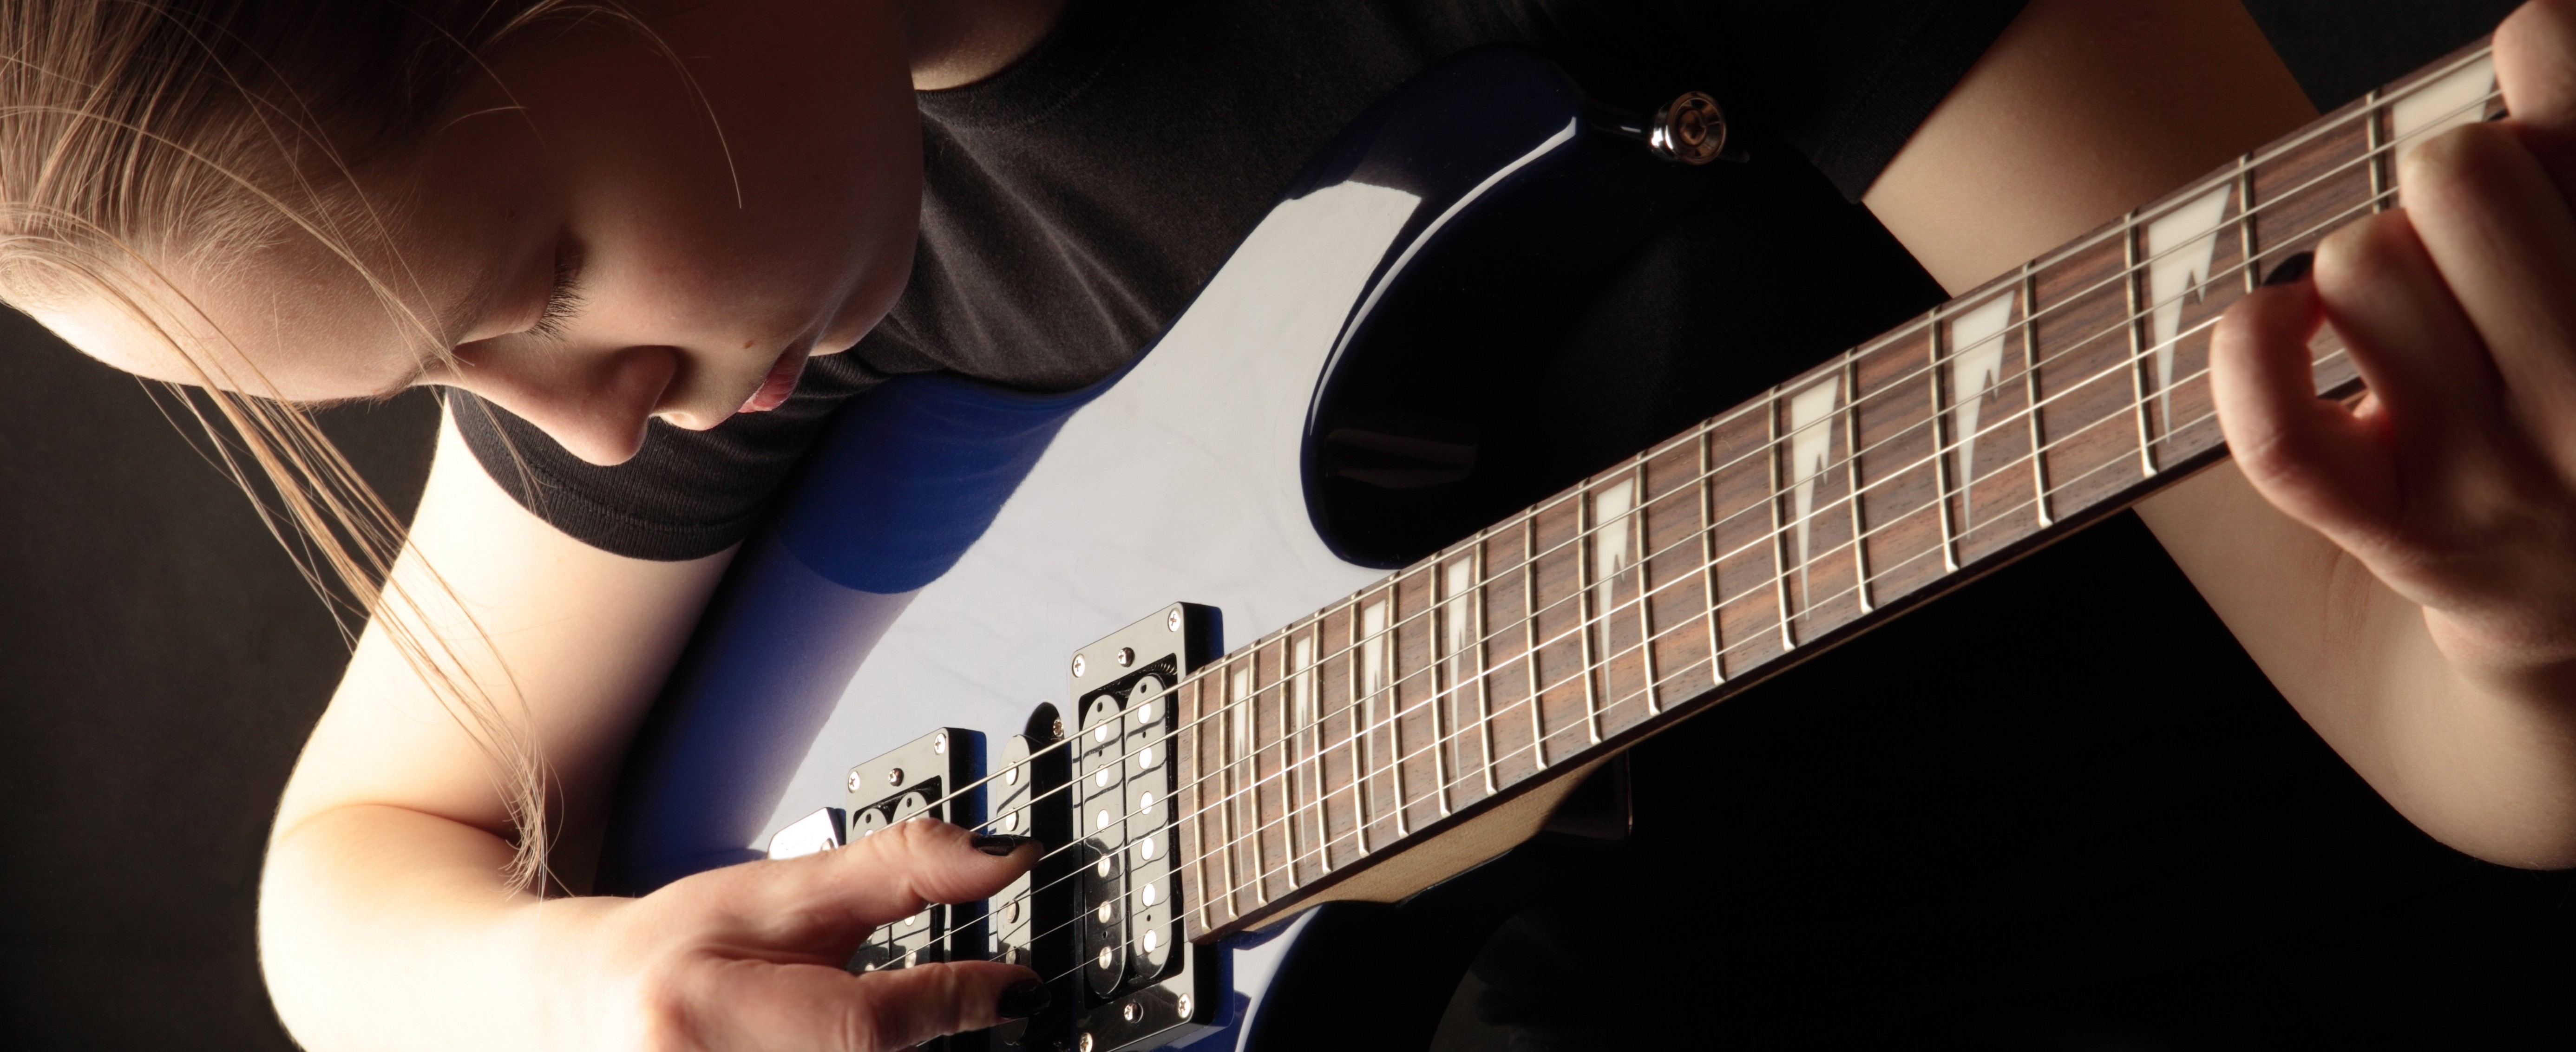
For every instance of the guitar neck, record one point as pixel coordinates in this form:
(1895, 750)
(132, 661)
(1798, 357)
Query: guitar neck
(1995, 424)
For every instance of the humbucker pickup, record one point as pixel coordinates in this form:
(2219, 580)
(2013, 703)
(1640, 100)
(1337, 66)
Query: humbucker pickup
(1100, 915)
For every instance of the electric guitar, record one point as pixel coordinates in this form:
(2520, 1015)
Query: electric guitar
(1229, 674)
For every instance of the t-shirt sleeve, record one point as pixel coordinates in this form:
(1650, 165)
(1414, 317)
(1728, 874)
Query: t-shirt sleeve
(1847, 83)
(686, 494)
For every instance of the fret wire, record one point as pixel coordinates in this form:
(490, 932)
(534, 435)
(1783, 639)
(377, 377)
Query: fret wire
(2030, 388)
(1288, 753)
(1198, 797)
(1851, 474)
(2104, 466)
(2245, 218)
(2114, 462)
(1708, 542)
(1444, 676)
(1225, 743)
(1751, 406)
(1484, 658)
(1314, 716)
(2370, 136)
(2030, 350)
(1944, 427)
(2138, 343)
(1779, 530)
(1391, 653)
(1529, 632)
(1361, 798)
(1645, 612)
(1587, 602)
(1199, 685)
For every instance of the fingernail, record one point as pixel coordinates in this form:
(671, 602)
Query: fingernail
(999, 844)
(1023, 999)
(2291, 269)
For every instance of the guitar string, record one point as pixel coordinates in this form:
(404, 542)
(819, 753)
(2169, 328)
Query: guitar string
(1322, 849)
(1463, 735)
(2127, 273)
(1770, 401)
(1442, 741)
(1773, 536)
(1321, 757)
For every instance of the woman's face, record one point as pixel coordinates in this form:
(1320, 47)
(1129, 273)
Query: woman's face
(602, 237)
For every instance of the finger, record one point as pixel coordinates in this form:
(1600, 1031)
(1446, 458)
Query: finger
(815, 1008)
(2502, 237)
(875, 880)
(2535, 62)
(2311, 458)
(2407, 335)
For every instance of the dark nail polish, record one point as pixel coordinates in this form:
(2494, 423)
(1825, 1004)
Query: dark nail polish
(999, 844)
(1025, 998)
(2291, 269)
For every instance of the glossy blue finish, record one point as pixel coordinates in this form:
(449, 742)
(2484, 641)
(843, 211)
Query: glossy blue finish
(912, 474)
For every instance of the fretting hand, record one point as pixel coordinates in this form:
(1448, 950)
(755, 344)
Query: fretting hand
(2454, 480)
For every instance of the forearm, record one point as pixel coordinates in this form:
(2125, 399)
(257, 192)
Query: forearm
(387, 928)
(2484, 760)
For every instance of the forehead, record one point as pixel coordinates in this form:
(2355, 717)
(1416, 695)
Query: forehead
(289, 319)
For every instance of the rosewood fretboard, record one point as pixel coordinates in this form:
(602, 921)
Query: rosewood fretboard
(1995, 424)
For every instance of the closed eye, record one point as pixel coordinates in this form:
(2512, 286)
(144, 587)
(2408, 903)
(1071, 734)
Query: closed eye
(563, 298)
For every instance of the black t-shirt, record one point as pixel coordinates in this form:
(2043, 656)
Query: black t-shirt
(1076, 201)
(2020, 785)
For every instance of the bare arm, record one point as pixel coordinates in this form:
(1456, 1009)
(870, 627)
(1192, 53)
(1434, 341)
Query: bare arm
(2086, 108)
(386, 920)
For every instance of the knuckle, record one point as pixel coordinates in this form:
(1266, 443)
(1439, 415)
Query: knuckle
(665, 1015)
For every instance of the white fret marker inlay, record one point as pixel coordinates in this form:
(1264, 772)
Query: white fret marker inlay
(2442, 105)
(1976, 368)
(1809, 441)
(1373, 648)
(1610, 550)
(2183, 242)
(1301, 685)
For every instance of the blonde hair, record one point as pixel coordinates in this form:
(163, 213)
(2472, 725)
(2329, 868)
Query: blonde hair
(140, 134)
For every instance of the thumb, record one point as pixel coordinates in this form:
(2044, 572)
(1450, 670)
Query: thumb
(805, 1006)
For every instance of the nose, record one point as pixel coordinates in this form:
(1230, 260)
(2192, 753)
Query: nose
(596, 407)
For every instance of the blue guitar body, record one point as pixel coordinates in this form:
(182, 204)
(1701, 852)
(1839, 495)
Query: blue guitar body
(951, 544)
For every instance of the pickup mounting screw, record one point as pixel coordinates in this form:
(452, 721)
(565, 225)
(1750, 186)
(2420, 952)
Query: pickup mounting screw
(1086, 1043)
(1126, 656)
(894, 776)
(1055, 730)
(1077, 666)
(1172, 621)
(939, 743)
(854, 781)
(1184, 1006)
(1129, 1012)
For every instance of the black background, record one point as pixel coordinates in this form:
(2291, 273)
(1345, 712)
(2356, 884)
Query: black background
(160, 662)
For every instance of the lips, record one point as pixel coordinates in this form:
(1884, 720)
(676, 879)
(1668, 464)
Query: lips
(780, 382)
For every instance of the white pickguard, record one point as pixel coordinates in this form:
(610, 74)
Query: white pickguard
(1181, 482)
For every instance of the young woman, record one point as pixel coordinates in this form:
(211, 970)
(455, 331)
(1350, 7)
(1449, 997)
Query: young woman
(606, 227)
